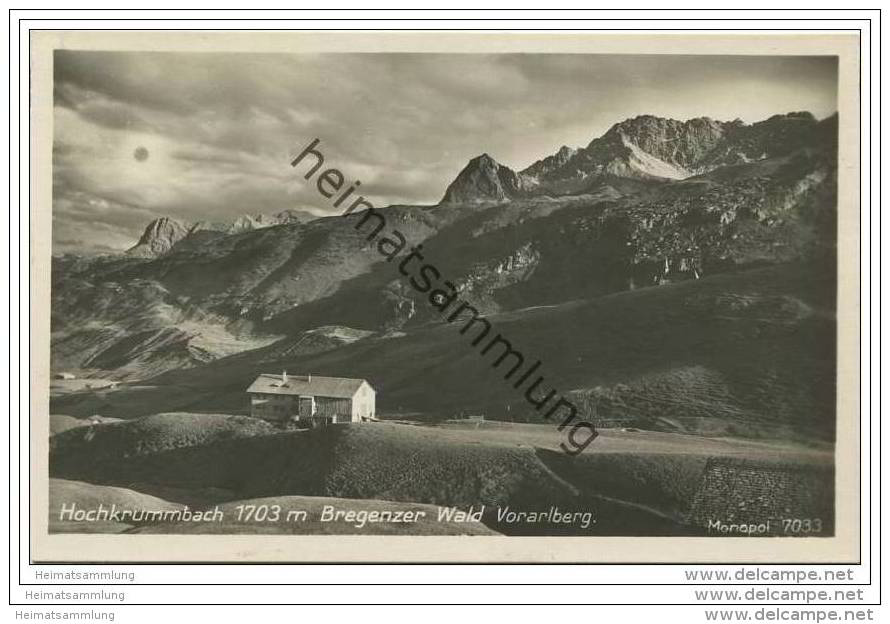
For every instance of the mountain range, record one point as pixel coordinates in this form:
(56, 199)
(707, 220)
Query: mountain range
(678, 275)
(163, 233)
(645, 147)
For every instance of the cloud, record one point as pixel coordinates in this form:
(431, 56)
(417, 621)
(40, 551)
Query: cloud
(221, 128)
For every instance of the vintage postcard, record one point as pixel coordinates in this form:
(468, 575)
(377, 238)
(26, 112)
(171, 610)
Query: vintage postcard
(443, 297)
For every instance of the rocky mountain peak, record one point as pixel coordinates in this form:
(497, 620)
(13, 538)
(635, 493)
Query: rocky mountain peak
(677, 143)
(293, 216)
(159, 236)
(483, 179)
(484, 160)
(550, 163)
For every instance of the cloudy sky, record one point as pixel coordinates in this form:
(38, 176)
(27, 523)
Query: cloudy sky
(208, 136)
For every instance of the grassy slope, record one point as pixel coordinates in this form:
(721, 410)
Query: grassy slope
(424, 525)
(390, 462)
(89, 496)
(155, 434)
(643, 482)
(747, 353)
(59, 423)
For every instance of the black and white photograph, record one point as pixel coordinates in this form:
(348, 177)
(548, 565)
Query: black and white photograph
(488, 295)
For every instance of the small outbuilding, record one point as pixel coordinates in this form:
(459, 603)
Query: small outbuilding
(311, 400)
